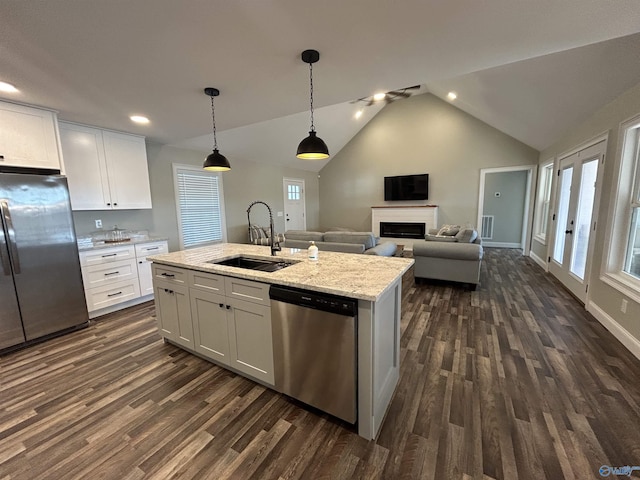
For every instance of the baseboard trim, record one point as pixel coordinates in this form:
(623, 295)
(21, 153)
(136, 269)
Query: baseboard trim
(629, 341)
(539, 261)
(501, 244)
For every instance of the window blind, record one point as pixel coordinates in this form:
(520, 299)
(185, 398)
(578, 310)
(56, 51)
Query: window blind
(200, 207)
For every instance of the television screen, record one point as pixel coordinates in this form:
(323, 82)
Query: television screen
(407, 187)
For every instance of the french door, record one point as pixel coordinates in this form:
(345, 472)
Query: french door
(574, 219)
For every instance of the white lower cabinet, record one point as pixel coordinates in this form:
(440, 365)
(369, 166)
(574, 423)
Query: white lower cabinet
(143, 250)
(231, 319)
(173, 313)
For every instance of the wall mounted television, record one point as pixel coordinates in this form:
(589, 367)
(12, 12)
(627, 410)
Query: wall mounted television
(406, 187)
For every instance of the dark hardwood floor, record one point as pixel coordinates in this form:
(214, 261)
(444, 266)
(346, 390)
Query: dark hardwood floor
(511, 381)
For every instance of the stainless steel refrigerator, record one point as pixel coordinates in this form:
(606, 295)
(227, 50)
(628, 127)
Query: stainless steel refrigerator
(41, 290)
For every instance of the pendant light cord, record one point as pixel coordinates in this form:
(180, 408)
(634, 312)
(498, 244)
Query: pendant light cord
(313, 128)
(213, 118)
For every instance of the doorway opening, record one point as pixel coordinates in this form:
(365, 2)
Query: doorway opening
(295, 217)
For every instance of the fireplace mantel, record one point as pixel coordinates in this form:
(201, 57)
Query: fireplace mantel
(425, 214)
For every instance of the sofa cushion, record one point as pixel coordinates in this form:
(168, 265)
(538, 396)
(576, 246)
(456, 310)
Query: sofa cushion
(467, 235)
(304, 235)
(449, 230)
(365, 238)
(384, 249)
(440, 238)
(456, 250)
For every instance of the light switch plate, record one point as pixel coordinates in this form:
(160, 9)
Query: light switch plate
(98, 223)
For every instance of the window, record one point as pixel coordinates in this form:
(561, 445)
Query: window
(622, 268)
(543, 202)
(293, 192)
(199, 205)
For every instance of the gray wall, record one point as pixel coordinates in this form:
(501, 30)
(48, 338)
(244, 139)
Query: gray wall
(421, 134)
(508, 208)
(245, 182)
(606, 119)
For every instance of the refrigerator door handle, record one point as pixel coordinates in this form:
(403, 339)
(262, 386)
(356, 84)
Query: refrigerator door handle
(13, 249)
(4, 253)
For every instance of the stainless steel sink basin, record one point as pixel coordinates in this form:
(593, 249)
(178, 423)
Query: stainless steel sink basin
(254, 263)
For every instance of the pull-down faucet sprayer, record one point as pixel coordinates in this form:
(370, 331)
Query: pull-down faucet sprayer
(275, 246)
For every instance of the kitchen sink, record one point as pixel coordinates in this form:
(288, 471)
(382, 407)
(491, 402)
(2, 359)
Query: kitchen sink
(254, 263)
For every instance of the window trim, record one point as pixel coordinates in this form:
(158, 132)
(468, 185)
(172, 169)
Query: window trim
(621, 204)
(538, 236)
(176, 191)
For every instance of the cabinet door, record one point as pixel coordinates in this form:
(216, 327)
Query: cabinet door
(128, 170)
(85, 166)
(28, 137)
(173, 313)
(251, 349)
(145, 275)
(210, 319)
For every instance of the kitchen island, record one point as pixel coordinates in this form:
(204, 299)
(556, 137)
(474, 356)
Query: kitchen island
(194, 293)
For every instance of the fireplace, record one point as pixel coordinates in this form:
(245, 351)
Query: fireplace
(402, 229)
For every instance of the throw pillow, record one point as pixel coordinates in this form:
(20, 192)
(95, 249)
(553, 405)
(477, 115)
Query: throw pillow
(440, 238)
(467, 235)
(449, 230)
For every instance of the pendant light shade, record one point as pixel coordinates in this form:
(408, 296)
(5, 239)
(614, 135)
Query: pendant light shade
(215, 162)
(312, 147)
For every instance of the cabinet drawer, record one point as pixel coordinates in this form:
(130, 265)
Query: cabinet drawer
(207, 282)
(155, 248)
(106, 255)
(107, 295)
(254, 292)
(175, 276)
(110, 272)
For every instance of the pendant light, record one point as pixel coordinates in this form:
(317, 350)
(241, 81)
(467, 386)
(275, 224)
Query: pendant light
(312, 147)
(215, 162)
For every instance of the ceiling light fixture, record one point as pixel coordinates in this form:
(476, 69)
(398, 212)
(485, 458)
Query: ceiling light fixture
(379, 96)
(312, 147)
(358, 114)
(452, 96)
(7, 87)
(139, 119)
(215, 162)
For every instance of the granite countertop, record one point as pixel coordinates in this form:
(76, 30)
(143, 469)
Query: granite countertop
(364, 277)
(88, 244)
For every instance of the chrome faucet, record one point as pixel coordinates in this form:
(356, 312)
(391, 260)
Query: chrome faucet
(275, 246)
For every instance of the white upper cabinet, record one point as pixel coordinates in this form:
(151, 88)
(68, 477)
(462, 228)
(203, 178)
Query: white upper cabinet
(28, 137)
(106, 170)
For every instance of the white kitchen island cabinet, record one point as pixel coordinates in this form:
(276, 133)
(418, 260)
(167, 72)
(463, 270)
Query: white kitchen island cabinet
(238, 300)
(28, 137)
(106, 170)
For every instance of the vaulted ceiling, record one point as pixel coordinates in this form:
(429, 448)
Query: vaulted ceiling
(531, 69)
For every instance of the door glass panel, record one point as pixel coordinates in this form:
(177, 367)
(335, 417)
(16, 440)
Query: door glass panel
(563, 213)
(632, 264)
(582, 227)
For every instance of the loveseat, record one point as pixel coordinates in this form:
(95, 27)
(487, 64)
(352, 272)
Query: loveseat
(340, 241)
(450, 253)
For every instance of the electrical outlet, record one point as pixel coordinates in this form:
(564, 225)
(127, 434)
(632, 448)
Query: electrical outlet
(623, 307)
(98, 223)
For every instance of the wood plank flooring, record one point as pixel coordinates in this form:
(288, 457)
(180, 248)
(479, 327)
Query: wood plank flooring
(511, 381)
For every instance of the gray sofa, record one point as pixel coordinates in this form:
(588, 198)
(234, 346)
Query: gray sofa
(457, 258)
(340, 241)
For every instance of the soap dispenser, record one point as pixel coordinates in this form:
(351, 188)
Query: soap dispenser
(313, 251)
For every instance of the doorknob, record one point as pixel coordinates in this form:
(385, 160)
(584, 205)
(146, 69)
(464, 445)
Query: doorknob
(569, 231)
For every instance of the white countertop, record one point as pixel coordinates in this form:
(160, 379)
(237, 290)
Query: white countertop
(86, 244)
(364, 277)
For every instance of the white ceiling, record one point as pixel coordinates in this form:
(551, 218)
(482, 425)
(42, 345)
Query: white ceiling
(99, 61)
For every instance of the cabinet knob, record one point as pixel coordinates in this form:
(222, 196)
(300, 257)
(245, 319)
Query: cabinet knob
(228, 307)
(115, 204)
(108, 204)
(1, 157)
(221, 305)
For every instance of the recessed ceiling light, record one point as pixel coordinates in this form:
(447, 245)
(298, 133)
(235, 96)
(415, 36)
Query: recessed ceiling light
(7, 87)
(358, 114)
(379, 96)
(452, 96)
(139, 119)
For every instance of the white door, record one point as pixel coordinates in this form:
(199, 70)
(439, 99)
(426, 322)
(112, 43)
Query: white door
(574, 219)
(294, 205)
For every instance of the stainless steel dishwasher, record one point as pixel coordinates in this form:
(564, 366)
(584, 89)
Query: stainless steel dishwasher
(314, 349)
